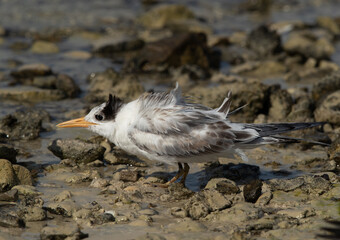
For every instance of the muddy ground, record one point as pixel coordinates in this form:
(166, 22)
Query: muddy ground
(59, 59)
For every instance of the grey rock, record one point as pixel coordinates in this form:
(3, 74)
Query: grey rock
(9, 196)
(78, 150)
(8, 178)
(99, 183)
(32, 214)
(177, 191)
(118, 156)
(65, 208)
(264, 41)
(7, 220)
(252, 191)
(286, 184)
(31, 70)
(223, 185)
(329, 109)
(23, 175)
(69, 231)
(24, 124)
(27, 190)
(9, 153)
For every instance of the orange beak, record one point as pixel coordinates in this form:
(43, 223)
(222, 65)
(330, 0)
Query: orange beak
(79, 122)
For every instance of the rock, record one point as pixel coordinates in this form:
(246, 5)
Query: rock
(252, 191)
(178, 50)
(25, 124)
(7, 220)
(8, 178)
(129, 176)
(264, 199)
(109, 47)
(298, 213)
(285, 184)
(160, 16)
(281, 105)
(62, 196)
(23, 175)
(44, 47)
(26, 190)
(46, 82)
(32, 70)
(80, 151)
(65, 208)
(202, 203)
(302, 43)
(9, 196)
(67, 85)
(178, 192)
(223, 185)
(264, 41)
(178, 212)
(68, 231)
(240, 212)
(96, 163)
(32, 214)
(187, 225)
(329, 109)
(78, 55)
(31, 94)
(266, 68)
(118, 156)
(334, 152)
(104, 218)
(126, 87)
(9, 153)
(99, 183)
(326, 86)
(329, 24)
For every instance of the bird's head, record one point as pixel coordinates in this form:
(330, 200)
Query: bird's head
(100, 119)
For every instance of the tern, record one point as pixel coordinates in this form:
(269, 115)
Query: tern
(167, 127)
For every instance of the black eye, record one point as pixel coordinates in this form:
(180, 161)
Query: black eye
(99, 117)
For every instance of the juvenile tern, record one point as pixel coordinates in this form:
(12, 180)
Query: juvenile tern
(165, 127)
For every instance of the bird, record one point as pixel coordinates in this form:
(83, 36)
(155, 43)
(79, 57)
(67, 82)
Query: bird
(170, 128)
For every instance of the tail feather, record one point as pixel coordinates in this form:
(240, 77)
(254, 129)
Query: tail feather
(270, 129)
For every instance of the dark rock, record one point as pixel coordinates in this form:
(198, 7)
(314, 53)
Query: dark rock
(31, 70)
(46, 82)
(104, 218)
(280, 105)
(9, 196)
(69, 231)
(334, 152)
(109, 47)
(8, 153)
(80, 151)
(264, 41)
(175, 51)
(286, 184)
(67, 85)
(7, 220)
(129, 176)
(223, 185)
(118, 156)
(329, 109)
(25, 124)
(326, 86)
(177, 191)
(252, 191)
(33, 213)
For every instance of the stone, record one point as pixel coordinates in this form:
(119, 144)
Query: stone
(329, 109)
(223, 185)
(26, 190)
(78, 55)
(187, 225)
(99, 183)
(44, 47)
(119, 156)
(31, 70)
(298, 213)
(62, 196)
(32, 214)
(162, 15)
(65, 208)
(7, 220)
(326, 86)
(8, 178)
(45, 82)
(9, 153)
(31, 94)
(252, 191)
(9, 196)
(264, 41)
(128, 176)
(109, 47)
(78, 150)
(67, 85)
(329, 24)
(68, 231)
(280, 105)
(25, 124)
(23, 175)
(286, 184)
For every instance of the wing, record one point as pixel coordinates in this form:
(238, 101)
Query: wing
(167, 126)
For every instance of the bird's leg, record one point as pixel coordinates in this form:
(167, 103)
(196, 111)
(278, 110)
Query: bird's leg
(185, 173)
(178, 175)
